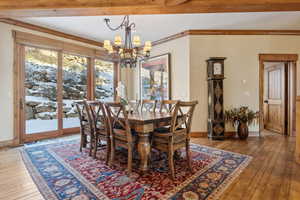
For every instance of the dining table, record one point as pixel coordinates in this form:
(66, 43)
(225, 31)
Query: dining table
(144, 123)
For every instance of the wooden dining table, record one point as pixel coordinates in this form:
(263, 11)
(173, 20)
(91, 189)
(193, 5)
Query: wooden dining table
(144, 123)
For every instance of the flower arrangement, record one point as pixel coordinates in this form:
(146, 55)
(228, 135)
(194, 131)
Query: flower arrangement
(122, 93)
(240, 115)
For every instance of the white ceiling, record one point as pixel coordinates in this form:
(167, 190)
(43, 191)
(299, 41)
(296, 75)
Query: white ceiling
(154, 27)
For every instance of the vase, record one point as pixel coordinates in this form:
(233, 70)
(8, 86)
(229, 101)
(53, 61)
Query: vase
(243, 130)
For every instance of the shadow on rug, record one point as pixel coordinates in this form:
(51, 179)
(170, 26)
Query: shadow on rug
(61, 172)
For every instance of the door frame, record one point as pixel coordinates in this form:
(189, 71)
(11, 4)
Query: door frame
(292, 82)
(22, 39)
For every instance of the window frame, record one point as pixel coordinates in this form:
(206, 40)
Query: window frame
(21, 40)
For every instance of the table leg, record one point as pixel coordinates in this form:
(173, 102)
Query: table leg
(144, 150)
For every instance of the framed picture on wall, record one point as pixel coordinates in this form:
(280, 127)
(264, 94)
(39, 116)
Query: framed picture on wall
(155, 78)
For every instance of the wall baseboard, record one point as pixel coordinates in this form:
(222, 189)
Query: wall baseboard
(198, 134)
(204, 134)
(228, 134)
(7, 143)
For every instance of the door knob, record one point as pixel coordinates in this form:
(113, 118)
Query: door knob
(266, 101)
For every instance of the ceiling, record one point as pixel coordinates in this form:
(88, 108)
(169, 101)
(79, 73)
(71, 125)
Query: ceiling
(154, 27)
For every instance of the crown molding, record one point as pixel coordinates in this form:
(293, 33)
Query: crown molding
(50, 31)
(243, 32)
(226, 32)
(171, 37)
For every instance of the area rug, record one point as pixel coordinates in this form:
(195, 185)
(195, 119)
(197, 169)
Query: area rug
(60, 171)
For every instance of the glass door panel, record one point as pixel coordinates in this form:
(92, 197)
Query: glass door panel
(104, 80)
(74, 87)
(40, 84)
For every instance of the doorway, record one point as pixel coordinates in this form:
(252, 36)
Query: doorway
(278, 93)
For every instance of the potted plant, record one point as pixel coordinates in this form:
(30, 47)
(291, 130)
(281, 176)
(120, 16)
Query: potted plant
(241, 118)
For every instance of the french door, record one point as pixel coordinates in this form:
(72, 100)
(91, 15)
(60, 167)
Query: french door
(40, 108)
(51, 82)
(49, 76)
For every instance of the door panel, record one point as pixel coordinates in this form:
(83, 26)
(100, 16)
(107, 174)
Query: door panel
(40, 89)
(75, 87)
(274, 109)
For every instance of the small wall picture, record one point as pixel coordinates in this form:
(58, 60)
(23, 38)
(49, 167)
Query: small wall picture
(155, 78)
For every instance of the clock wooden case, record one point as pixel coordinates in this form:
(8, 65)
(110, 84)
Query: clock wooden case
(215, 77)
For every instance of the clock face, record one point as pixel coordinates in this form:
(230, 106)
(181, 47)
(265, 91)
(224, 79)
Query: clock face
(217, 69)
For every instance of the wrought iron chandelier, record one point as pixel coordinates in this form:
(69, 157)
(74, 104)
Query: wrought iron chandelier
(131, 50)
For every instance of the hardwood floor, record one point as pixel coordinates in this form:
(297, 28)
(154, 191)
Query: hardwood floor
(272, 174)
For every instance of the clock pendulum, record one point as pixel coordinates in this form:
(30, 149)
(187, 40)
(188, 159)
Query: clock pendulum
(215, 77)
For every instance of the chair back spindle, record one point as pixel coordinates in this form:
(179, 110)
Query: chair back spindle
(118, 122)
(98, 114)
(167, 106)
(82, 115)
(134, 105)
(182, 116)
(148, 105)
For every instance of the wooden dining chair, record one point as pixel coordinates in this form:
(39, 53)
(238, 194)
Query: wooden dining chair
(120, 131)
(134, 106)
(167, 106)
(85, 126)
(97, 115)
(177, 135)
(148, 105)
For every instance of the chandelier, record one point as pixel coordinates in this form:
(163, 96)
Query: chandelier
(131, 50)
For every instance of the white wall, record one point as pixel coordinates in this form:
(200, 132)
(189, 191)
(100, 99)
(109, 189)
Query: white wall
(242, 63)
(188, 66)
(6, 75)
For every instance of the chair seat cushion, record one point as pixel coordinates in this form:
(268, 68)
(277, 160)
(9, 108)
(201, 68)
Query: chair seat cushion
(164, 129)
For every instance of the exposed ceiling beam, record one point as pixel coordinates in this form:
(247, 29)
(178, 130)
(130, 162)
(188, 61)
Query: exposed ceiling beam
(32, 8)
(175, 2)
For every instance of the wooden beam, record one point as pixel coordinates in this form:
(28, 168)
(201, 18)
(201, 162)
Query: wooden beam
(30, 8)
(175, 2)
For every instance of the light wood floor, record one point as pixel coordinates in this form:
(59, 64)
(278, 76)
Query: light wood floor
(272, 174)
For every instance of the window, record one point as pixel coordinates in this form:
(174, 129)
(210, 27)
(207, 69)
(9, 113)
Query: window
(104, 80)
(50, 76)
(40, 87)
(75, 86)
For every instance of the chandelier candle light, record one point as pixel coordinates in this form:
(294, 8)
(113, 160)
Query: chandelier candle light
(131, 50)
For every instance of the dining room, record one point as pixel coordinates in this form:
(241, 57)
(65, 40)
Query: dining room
(153, 102)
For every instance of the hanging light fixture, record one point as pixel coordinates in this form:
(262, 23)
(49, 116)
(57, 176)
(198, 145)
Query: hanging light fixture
(131, 50)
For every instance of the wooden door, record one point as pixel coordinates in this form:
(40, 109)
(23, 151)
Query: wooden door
(274, 97)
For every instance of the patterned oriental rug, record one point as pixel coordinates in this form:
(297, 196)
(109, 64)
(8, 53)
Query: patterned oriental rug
(60, 171)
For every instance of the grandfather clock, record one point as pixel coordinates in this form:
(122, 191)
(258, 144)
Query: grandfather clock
(215, 74)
